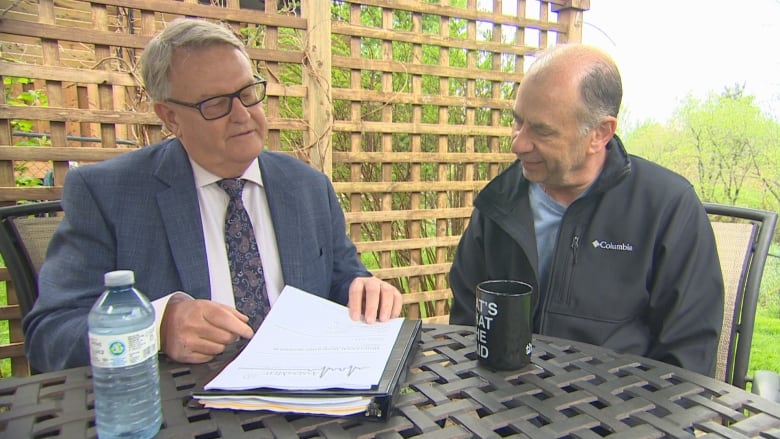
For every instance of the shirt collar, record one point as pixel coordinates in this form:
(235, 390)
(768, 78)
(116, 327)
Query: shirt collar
(204, 178)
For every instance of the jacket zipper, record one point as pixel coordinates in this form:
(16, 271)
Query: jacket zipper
(574, 247)
(567, 268)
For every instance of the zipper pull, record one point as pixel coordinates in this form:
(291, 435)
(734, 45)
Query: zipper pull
(575, 245)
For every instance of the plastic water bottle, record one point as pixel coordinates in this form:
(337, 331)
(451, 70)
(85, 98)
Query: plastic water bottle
(123, 352)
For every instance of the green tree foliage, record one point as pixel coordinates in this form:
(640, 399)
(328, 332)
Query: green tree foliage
(20, 92)
(724, 144)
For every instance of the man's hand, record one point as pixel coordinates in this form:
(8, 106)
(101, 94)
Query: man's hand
(374, 298)
(194, 331)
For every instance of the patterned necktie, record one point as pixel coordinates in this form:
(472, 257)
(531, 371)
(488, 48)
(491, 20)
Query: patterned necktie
(246, 268)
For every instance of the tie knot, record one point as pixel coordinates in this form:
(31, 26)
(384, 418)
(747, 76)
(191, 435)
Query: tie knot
(233, 186)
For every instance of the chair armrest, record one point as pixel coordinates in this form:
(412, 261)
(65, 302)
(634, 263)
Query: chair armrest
(766, 384)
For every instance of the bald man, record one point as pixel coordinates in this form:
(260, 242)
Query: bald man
(619, 250)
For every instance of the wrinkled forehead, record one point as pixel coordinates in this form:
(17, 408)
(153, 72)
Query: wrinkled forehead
(556, 94)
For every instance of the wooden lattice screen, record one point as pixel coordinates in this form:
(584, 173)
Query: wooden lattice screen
(406, 105)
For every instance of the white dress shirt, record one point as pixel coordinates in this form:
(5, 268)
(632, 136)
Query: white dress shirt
(213, 202)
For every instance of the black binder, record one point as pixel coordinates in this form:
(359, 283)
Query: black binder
(382, 395)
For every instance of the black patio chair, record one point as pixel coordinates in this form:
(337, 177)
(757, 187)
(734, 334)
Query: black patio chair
(25, 232)
(743, 237)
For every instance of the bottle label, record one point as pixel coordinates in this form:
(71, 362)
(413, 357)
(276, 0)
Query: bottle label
(123, 349)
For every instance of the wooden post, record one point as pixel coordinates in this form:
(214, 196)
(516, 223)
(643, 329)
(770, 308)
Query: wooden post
(570, 14)
(318, 104)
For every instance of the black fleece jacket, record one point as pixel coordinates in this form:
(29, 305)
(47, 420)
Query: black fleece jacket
(635, 266)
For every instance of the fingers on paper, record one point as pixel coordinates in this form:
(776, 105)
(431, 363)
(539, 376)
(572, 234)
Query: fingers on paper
(355, 303)
(197, 350)
(375, 299)
(391, 302)
(373, 294)
(228, 323)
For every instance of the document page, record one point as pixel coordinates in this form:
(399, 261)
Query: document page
(310, 343)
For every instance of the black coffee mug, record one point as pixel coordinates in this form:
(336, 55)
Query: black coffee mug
(504, 324)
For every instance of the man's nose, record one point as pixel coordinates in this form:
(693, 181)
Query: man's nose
(520, 141)
(237, 109)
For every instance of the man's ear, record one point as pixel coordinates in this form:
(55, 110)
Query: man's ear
(603, 132)
(168, 116)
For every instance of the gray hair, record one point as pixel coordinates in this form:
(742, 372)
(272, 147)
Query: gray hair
(601, 90)
(180, 34)
(600, 86)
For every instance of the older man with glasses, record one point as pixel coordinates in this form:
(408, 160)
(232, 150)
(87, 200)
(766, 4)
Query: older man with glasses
(213, 226)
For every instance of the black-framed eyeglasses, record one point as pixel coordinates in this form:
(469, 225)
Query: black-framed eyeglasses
(222, 105)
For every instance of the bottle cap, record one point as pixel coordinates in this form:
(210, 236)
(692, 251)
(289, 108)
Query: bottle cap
(119, 278)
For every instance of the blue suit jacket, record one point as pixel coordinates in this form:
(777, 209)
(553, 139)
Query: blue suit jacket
(139, 211)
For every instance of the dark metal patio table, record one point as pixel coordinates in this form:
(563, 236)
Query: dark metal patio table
(571, 390)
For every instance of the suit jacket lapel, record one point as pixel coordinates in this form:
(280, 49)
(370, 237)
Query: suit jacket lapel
(280, 192)
(179, 207)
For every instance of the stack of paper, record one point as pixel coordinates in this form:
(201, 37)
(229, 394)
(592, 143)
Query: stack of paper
(336, 406)
(308, 356)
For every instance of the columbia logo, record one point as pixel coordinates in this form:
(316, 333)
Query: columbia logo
(624, 247)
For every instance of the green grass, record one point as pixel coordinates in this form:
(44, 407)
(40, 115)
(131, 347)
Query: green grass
(5, 338)
(765, 350)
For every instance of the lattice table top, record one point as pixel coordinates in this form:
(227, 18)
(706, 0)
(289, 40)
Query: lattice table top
(570, 390)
